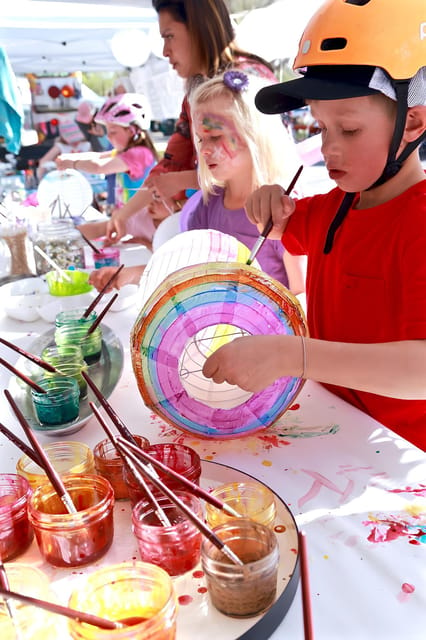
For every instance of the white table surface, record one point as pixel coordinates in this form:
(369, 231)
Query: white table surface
(357, 489)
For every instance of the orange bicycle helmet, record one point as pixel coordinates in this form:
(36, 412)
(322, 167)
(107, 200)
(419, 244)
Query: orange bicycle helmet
(353, 48)
(390, 34)
(343, 44)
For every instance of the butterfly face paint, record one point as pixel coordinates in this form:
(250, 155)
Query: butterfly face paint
(218, 137)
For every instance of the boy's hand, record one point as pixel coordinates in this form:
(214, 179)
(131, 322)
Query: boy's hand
(238, 362)
(267, 201)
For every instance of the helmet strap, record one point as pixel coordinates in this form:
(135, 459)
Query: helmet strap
(341, 214)
(394, 164)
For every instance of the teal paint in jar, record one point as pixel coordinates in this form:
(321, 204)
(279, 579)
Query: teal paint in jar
(75, 317)
(61, 402)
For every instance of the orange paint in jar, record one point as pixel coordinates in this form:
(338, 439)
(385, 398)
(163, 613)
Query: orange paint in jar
(136, 593)
(67, 539)
(109, 464)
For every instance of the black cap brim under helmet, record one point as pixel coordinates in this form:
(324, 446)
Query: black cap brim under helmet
(326, 82)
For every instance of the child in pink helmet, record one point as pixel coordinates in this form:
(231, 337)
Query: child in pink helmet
(126, 118)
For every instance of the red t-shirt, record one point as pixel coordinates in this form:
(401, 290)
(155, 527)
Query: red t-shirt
(370, 288)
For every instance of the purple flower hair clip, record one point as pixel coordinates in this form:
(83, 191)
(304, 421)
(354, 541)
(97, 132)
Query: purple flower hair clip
(235, 80)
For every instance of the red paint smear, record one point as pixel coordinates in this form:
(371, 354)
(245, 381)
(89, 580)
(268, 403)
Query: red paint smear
(198, 574)
(185, 600)
(408, 588)
(293, 551)
(420, 490)
(387, 530)
(273, 441)
(294, 407)
(202, 590)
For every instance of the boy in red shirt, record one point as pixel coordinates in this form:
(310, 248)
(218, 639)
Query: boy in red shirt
(365, 82)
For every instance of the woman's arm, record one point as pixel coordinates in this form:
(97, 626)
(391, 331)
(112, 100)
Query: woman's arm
(171, 183)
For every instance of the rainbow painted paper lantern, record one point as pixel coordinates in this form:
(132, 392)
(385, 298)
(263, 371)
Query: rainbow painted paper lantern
(192, 312)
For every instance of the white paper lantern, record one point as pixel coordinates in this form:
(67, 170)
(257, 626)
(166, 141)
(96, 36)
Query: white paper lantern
(65, 193)
(130, 47)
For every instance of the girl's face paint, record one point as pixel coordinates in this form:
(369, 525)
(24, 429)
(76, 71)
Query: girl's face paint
(219, 142)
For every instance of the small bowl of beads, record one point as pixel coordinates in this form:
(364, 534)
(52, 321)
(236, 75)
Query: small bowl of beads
(70, 283)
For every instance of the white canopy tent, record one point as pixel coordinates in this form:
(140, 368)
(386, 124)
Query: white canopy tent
(273, 32)
(52, 37)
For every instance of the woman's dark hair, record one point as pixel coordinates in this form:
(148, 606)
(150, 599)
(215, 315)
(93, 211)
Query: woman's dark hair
(211, 31)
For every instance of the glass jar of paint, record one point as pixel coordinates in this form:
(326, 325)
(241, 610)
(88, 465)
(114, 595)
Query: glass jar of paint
(29, 621)
(73, 370)
(251, 500)
(175, 548)
(77, 334)
(136, 593)
(109, 464)
(66, 457)
(65, 353)
(178, 457)
(73, 539)
(246, 591)
(61, 402)
(16, 530)
(106, 257)
(75, 317)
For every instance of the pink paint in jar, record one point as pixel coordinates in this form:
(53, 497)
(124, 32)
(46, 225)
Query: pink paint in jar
(106, 257)
(16, 530)
(175, 548)
(178, 457)
(73, 539)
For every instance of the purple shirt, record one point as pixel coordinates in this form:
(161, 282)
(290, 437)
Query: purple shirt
(234, 222)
